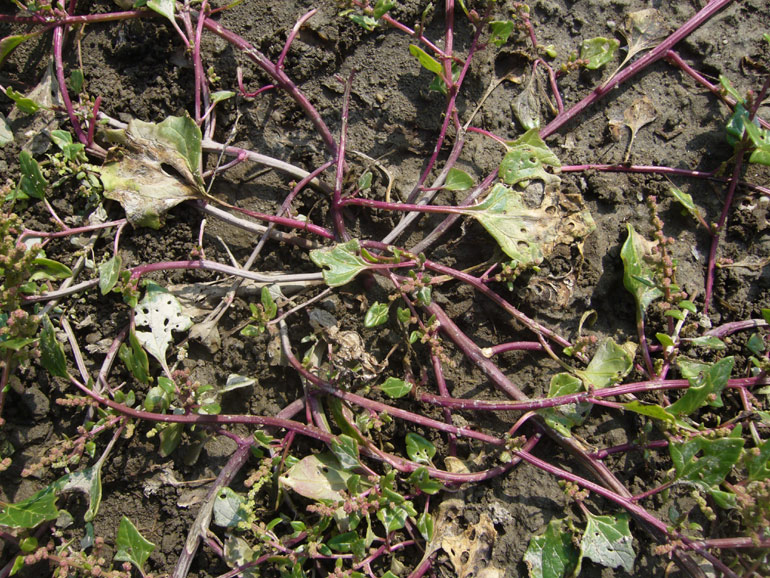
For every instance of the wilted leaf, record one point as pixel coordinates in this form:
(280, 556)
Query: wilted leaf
(609, 365)
(340, 263)
(640, 113)
(132, 546)
(526, 106)
(238, 553)
(706, 384)
(527, 234)
(638, 275)
(89, 482)
(642, 30)
(155, 170)
(598, 51)
(607, 541)
(317, 477)
(161, 312)
(686, 201)
(551, 554)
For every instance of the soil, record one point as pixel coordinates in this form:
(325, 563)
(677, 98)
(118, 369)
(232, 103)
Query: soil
(139, 69)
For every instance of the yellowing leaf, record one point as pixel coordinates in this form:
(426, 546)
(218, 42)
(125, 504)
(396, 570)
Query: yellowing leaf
(318, 477)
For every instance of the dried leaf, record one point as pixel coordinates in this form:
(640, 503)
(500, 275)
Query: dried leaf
(642, 29)
(155, 169)
(639, 114)
(470, 550)
(526, 106)
(162, 313)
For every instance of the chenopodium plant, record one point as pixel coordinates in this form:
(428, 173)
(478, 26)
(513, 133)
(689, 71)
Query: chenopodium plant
(350, 508)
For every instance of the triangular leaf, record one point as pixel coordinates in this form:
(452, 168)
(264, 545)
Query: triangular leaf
(526, 158)
(427, 61)
(51, 351)
(31, 512)
(163, 7)
(704, 463)
(609, 365)
(706, 385)
(458, 180)
(638, 276)
(340, 263)
(597, 52)
(551, 554)
(564, 417)
(132, 546)
(318, 477)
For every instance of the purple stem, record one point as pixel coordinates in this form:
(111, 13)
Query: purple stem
(730, 328)
(292, 36)
(443, 390)
(280, 77)
(58, 42)
(654, 55)
(512, 346)
(637, 511)
(339, 221)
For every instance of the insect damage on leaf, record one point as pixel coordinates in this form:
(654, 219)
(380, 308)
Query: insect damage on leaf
(154, 169)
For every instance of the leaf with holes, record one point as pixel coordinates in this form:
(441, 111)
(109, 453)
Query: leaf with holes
(161, 312)
(155, 168)
(607, 541)
(317, 477)
(527, 158)
(597, 52)
(229, 509)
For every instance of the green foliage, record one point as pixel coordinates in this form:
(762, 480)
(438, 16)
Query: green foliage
(526, 159)
(706, 384)
(370, 20)
(135, 358)
(458, 180)
(24, 104)
(395, 388)
(377, 314)
(132, 546)
(341, 263)
(261, 314)
(426, 60)
(32, 183)
(500, 31)
(51, 351)
(609, 365)
(551, 554)
(109, 273)
(419, 449)
(705, 463)
(564, 417)
(638, 274)
(598, 51)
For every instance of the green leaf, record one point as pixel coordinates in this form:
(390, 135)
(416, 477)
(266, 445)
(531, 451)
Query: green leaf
(393, 517)
(237, 553)
(10, 43)
(422, 480)
(638, 276)
(377, 314)
(686, 201)
(221, 95)
(135, 359)
(500, 30)
(162, 313)
(50, 270)
(29, 513)
(76, 80)
(89, 482)
(551, 554)
(650, 410)
(610, 364)
(365, 180)
(132, 546)
(704, 463)
(425, 526)
(346, 451)
(230, 509)
(16, 343)
(458, 180)
(381, 7)
(363, 20)
(395, 388)
(419, 449)
(156, 168)
(526, 158)
(736, 125)
(761, 140)
(24, 104)
(163, 7)
(343, 542)
(757, 461)
(728, 87)
(709, 341)
(340, 263)
(564, 417)
(607, 541)
(706, 385)
(32, 182)
(268, 304)
(170, 437)
(317, 477)
(109, 273)
(598, 51)
(51, 351)
(427, 61)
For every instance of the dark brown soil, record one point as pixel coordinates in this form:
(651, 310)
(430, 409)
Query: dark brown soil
(139, 69)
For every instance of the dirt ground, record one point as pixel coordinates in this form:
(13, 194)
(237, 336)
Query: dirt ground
(139, 69)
